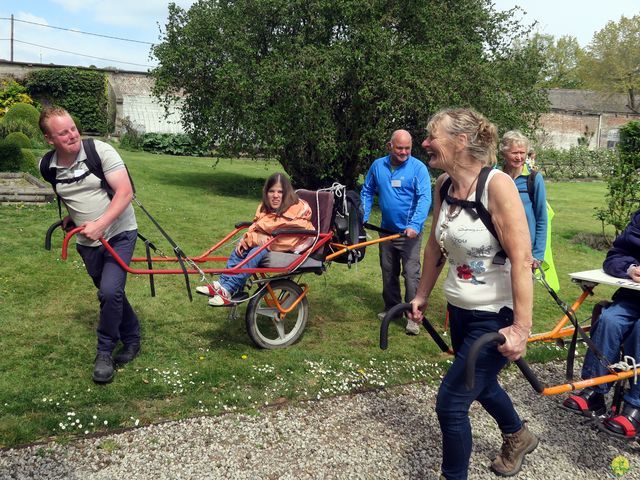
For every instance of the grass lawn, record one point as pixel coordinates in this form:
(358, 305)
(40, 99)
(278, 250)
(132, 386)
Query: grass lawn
(195, 360)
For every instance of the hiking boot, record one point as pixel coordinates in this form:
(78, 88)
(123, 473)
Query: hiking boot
(586, 402)
(126, 354)
(412, 328)
(625, 425)
(103, 369)
(514, 447)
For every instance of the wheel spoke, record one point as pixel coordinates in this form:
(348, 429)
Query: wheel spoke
(279, 324)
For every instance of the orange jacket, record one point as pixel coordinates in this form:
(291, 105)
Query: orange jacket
(296, 216)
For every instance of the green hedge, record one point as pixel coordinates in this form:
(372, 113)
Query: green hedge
(575, 163)
(19, 139)
(172, 144)
(82, 92)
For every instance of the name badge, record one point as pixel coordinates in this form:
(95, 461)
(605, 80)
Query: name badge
(396, 183)
(78, 173)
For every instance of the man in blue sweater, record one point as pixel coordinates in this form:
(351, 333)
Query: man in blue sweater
(403, 187)
(619, 324)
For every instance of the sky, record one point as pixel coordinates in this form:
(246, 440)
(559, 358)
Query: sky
(141, 20)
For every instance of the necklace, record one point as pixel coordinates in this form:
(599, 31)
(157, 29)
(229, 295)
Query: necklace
(450, 215)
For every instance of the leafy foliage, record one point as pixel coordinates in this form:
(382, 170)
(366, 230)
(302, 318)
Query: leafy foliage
(561, 60)
(320, 84)
(10, 157)
(575, 163)
(24, 112)
(34, 133)
(19, 139)
(131, 137)
(171, 144)
(82, 92)
(623, 181)
(11, 92)
(612, 58)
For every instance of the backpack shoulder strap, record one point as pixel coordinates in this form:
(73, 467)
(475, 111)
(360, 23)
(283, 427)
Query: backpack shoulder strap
(94, 164)
(48, 173)
(531, 182)
(484, 214)
(444, 189)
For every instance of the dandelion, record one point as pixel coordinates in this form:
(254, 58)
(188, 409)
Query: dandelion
(244, 357)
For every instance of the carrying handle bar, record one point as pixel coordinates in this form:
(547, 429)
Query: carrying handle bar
(47, 238)
(498, 339)
(397, 311)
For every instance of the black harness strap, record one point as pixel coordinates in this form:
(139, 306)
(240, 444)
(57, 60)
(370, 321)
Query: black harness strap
(179, 253)
(577, 330)
(476, 208)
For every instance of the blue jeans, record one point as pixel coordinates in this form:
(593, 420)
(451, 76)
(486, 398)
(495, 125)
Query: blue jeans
(233, 283)
(619, 324)
(454, 400)
(118, 321)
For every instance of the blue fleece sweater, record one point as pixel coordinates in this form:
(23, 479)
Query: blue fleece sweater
(404, 193)
(536, 211)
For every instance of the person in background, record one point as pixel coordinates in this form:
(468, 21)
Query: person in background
(280, 207)
(403, 187)
(618, 325)
(91, 207)
(483, 294)
(531, 158)
(513, 148)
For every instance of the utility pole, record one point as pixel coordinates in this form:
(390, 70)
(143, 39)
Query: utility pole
(12, 37)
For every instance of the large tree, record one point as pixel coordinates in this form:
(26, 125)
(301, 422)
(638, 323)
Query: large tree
(612, 60)
(320, 84)
(561, 60)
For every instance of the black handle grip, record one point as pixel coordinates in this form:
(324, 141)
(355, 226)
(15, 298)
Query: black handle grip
(47, 238)
(498, 339)
(384, 326)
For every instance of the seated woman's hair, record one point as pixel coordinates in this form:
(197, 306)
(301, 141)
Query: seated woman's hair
(514, 137)
(289, 196)
(482, 135)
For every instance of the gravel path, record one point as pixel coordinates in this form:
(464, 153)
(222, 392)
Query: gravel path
(390, 434)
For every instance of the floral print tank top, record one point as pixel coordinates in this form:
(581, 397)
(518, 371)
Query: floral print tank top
(473, 281)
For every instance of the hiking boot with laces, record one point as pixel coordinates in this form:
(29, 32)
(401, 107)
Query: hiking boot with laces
(514, 447)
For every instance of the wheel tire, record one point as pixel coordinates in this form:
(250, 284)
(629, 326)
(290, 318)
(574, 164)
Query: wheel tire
(265, 328)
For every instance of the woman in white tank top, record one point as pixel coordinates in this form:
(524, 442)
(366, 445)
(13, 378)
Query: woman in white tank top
(483, 294)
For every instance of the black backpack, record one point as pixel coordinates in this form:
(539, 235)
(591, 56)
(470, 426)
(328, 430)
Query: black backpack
(348, 221)
(531, 178)
(94, 165)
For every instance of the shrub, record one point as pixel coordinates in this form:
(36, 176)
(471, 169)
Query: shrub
(19, 139)
(11, 92)
(29, 163)
(23, 111)
(34, 133)
(172, 144)
(623, 181)
(77, 121)
(575, 163)
(10, 157)
(131, 137)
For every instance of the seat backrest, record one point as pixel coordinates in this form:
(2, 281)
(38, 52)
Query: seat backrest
(321, 204)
